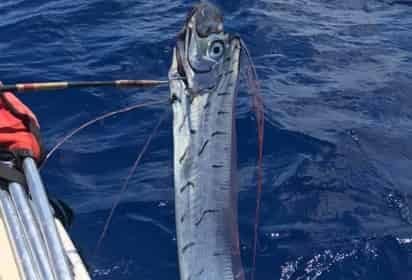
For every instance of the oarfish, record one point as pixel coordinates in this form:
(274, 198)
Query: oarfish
(203, 83)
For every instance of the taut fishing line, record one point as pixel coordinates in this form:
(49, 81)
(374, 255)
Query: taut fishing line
(253, 84)
(127, 179)
(93, 121)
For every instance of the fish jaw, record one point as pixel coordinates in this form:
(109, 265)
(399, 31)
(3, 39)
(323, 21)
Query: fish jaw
(204, 174)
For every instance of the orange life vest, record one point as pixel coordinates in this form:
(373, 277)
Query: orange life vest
(19, 128)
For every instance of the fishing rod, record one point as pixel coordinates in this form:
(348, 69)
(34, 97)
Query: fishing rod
(66, 85)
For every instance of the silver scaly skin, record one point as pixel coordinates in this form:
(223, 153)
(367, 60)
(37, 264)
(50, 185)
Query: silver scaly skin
(203, 84)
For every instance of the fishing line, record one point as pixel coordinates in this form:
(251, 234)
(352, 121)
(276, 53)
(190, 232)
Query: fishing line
(127, 179)
(254, 86)
(93, 121)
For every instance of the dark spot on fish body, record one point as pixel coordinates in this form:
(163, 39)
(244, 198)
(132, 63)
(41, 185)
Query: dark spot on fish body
(203, 147)
(183, 122)
(174, 98)
(187, 246)
(182, 157)
(217, 165)
(192, 131)
(200, 272)
(192, 98)
(188, 184)
(196, 275)
(204, 213)
(229, 72)
(182, 218)
(222, 112)
(216, 133)
(223, 93)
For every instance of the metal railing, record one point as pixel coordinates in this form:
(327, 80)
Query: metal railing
(46, 222)
(31, 227)
(32, 231)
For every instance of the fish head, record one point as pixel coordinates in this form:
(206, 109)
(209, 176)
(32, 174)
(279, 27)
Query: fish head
(201, 50)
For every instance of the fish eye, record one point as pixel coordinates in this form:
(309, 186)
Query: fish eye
(216, 49)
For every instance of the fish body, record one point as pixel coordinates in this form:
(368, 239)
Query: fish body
(203, 85)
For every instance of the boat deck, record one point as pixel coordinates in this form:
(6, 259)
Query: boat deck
(8, 266)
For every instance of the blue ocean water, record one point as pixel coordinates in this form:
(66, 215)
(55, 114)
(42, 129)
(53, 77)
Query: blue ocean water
(336, 80)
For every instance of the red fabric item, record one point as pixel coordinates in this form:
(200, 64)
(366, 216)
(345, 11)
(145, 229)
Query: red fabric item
(18, 126)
